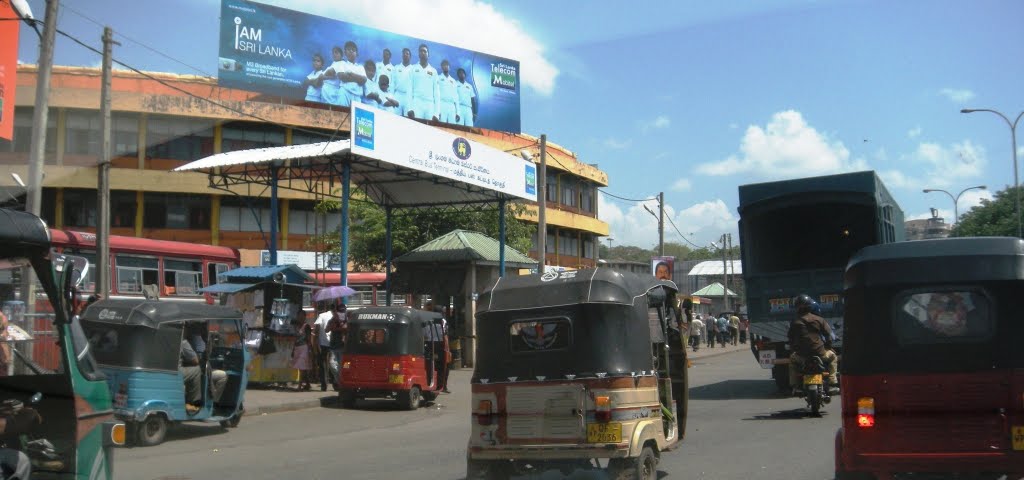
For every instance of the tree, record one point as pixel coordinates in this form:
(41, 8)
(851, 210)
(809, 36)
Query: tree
(412, 228)
(993, 217)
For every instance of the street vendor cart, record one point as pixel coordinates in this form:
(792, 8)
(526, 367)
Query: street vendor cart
(271, 300)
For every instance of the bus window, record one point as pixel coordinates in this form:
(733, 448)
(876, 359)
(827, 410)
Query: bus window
(182, 277)
(213, 270)
(363, 295)
(134, 272)
(382, 298)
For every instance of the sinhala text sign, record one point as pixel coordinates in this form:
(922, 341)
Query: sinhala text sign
(388, 137)
(271, 50)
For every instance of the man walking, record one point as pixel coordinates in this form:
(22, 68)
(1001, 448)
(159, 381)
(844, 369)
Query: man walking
(734, 329)
(322, 339)
(696, 330)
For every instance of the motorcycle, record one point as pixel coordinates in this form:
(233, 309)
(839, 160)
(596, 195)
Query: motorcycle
(814, 390)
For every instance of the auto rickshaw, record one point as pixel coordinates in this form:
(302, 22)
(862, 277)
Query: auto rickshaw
(138, 344)
(932, 377)
(390, 352)
(53, 399)
(573, 367)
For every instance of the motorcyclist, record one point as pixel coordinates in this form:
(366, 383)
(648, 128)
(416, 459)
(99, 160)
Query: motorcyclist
(810, 335)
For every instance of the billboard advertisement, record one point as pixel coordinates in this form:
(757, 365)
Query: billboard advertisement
(390, 138)
(8, 68)
(662, 267)
(306, 57)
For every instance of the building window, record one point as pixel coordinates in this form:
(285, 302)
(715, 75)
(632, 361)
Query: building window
(549, 244)
(588, 247)
(124, 135)
(245, 215)
(123, 206)
(246, 135)
(169, 210)
(568, 243)
(302, 220)
(551, 184)
(303, 138)
(174, 138)
(22, 138)
(569, 195)
(82, 129)
(587, 191)
(79, 208)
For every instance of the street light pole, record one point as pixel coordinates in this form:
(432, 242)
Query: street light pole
(37, 148)
(956, 199)
(1013, 139)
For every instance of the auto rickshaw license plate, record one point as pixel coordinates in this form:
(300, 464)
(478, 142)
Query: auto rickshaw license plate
(812, 379)
(604, 432)
(396, 378)
(1017, 434)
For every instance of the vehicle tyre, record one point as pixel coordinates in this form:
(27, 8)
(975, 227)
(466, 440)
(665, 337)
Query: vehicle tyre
(410, 399)
(234, 420)
(152, 430)
(814, 400)
(430, 396)
(781, 375)
(347, 398)
(644, 467)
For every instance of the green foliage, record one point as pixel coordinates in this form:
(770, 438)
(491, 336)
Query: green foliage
(995, 217)
(410, 229)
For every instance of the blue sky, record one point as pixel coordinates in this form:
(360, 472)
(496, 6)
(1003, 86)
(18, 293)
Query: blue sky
(692, 98)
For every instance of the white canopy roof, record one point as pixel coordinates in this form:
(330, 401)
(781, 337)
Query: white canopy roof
(716, 267)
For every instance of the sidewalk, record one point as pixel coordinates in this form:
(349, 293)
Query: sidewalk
(262, 400)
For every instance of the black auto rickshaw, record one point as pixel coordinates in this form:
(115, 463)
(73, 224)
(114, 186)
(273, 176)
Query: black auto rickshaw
(390, 352)
(932, 374)
(573, 367)
(138, 345)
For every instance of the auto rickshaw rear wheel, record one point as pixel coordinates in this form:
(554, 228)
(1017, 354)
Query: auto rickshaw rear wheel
(430, 396)
(233, 421)
(347, 398)
(644, 467)
(410, 399)
(152, 430)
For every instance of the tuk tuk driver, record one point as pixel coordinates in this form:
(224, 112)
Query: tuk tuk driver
(810, 335)
(192, 375)
(197, 339)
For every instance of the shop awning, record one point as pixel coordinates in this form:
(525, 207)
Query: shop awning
(228, 287)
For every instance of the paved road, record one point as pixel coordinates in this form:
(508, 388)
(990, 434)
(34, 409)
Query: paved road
(738, 429)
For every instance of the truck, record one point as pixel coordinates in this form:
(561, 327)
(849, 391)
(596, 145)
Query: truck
(796, 236)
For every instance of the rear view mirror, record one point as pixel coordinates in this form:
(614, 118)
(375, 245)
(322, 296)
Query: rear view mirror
(70, 267)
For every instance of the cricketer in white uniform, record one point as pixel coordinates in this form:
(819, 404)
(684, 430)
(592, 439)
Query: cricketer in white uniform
(448, 95)
(331, 89)
(352, 75)
(385, 67)
(467, 99)
(423, 87)
(400, 81)
(314, 81)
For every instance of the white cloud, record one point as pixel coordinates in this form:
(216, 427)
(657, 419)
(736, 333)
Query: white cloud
(937, 166)
(471, 24)
(973, 198)
(617, 144)
(957, 95)
(682, 185)
(786, 147)
(707, 221)
(914, 132)
(633, 225)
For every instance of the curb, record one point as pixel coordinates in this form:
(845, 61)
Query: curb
(288, 407)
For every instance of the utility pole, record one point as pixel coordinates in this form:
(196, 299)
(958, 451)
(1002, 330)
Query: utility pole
(661, 224)
(37, 149)
(103, 172)
(542, 200)
(725, 273)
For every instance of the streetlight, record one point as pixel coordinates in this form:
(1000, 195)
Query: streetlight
(956, 199)
(1013, 138)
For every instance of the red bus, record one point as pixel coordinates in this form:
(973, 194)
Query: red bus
(178, 269)
(369, 287)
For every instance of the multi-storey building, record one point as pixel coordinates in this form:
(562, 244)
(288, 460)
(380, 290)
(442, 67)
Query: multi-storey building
(164, 121)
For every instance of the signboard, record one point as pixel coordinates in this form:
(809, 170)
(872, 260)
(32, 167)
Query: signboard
(8, 67)
(272, 50)
(310, 261)
(399, 141)
(662, 267)
(766, 358)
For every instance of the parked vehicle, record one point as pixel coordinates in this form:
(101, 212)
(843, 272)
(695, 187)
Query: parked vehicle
(137, 344)
(58, 414)
(796, 237)
(933, 370)
(573, 367)
(390, 353)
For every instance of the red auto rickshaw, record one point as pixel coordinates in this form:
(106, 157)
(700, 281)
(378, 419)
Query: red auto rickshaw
(393, 352)
(932, 374)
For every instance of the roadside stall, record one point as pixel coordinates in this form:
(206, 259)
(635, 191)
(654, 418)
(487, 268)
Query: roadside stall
(271, 300)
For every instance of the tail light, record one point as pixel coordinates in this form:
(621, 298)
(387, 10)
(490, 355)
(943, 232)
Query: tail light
(346, 365)
(118, 434)
(602, 409)
(396, 367)
(865, 412)
(483, 412)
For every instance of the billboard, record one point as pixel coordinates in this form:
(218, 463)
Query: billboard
(275, 51)
(662, 267)
(388, 137)
(8, 68)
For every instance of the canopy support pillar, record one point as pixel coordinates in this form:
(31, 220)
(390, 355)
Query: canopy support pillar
(387, 254)
(274, 214)
(346, 190)
(501, 238)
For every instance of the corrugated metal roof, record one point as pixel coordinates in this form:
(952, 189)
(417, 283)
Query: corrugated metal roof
(463, 246)
(714, 290)
(293, 274)
(715, 267)
(269, 154)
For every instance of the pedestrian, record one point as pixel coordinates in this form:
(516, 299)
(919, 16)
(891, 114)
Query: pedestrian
(322, 340)
(734, 329)
(744, 329)
(712, 329)
(696, 330)
(723, 328)
(338, 330)
(301, 352)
